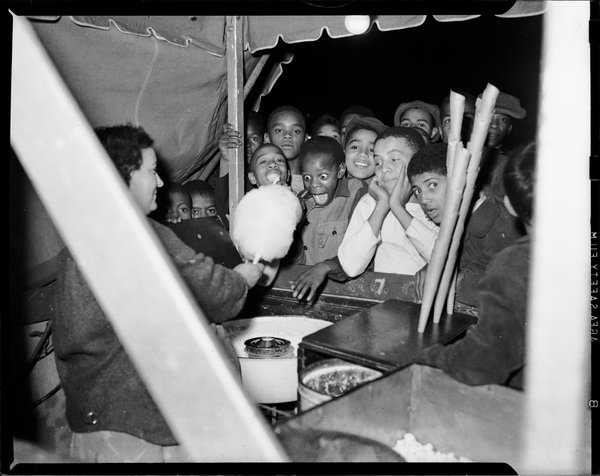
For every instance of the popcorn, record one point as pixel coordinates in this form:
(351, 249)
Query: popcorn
(414, 452)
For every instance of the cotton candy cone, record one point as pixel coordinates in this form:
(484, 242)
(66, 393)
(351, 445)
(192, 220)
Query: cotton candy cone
(264, 221)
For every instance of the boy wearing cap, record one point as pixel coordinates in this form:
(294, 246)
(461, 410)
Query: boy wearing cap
(423, 116)
(494, 158)
(358, 148)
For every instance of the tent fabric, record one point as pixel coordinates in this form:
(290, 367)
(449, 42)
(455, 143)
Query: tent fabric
(178, 95)
(263, 32)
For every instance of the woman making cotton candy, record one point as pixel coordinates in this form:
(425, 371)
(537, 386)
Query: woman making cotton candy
(109, 410)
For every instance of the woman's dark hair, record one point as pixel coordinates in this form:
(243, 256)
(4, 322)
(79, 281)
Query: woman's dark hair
(519, 180)
(124, 146)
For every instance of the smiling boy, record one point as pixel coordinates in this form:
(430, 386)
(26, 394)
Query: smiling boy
(361, 133)
(268, 165)
(423, 116)
(331, 200)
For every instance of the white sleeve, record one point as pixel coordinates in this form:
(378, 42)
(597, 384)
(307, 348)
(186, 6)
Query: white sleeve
(359, 244)
(422, 232)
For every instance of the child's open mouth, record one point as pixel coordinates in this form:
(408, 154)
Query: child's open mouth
(433, 214)
(321, 199)
(274, 177)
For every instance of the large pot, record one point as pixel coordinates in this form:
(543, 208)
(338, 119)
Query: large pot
(330, 378)
(273, 377)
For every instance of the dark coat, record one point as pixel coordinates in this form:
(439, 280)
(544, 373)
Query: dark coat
(492, 351)
(102, 387)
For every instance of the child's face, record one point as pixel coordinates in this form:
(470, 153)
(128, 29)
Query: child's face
(422, 120)
(389, 154)
(321, 175)
(203, 206)
(446, 121)
(500, 127)
(180, 206)
(269, 166)
(359, 154)
(329, 130)
(253, 139)
(445, 130)
(430, 190)
(287, 131)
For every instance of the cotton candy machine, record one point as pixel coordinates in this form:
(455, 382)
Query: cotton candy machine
(267, 351)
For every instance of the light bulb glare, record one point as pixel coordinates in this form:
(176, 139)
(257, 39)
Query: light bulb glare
(357, 24)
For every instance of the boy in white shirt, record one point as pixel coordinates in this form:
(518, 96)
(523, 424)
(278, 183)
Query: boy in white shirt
(388, 225)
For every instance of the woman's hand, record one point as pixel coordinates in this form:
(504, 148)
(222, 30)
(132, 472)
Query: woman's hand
(310, 281)
(250, 272)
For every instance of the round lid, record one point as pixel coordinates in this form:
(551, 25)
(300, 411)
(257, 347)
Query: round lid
(267, 346)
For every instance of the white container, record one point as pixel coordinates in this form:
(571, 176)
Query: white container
(271, 380)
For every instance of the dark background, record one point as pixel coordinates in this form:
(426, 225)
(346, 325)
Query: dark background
(382, 69)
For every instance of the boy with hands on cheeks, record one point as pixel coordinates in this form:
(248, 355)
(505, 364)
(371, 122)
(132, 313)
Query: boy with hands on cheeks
(387, 225)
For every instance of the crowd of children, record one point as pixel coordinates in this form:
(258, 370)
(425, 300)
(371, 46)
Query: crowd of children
(372, 194)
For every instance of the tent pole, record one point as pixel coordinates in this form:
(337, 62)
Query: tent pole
(161, 327)
(557, 415)
(235, 107)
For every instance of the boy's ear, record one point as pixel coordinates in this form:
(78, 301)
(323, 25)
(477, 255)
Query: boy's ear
(341, 170)
(434, 131)
(252, 178)
(509, 206)
(266, 138)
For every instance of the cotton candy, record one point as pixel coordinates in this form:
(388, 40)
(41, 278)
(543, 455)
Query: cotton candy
(264, 221)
